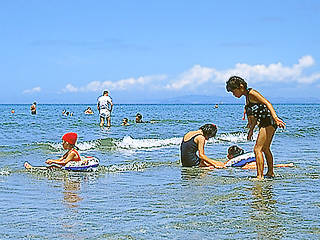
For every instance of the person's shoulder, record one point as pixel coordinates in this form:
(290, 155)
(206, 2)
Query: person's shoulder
(254, 92)
(198, 137)
(73, 152)
(251, 91)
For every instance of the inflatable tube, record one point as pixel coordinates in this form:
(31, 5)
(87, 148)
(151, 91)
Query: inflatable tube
(241, 160)
(86, 164)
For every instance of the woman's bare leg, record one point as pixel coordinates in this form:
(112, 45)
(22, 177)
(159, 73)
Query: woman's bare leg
(262, 136)
(267, 152)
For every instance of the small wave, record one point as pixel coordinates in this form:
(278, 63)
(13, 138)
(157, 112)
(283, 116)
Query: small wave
(124, 167)
(4, 172)
(130, 143)
(83, 146)
(235, 137)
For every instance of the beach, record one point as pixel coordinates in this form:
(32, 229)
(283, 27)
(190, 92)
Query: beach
(140, 191)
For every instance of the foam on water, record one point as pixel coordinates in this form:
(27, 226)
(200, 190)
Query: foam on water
(4, 172)
(136, 166)
(83, 146)
(237, 137)
(130, 143)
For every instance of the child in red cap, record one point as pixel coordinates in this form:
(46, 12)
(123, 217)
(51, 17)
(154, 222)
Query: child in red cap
(68, 142)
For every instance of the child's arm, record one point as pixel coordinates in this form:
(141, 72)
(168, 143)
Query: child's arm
(62, 161)
(284, 165)
(208, 161)
(252, 165)
(225, 163)
(261, 99)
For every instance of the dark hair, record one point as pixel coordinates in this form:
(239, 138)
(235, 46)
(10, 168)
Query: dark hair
(139, 115)
(104, 92)
(209, 130)
(235, 151)
(125, 119)
(234, 82)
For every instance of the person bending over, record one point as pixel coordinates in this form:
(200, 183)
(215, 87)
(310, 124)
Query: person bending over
(258, 109)
(194, 142)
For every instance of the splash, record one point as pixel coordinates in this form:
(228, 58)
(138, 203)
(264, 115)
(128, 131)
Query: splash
(136, 166)
(236, 137)
(130, 143)
(83, 146)
(4, 172)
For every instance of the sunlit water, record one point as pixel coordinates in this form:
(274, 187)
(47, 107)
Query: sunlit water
(141, 191)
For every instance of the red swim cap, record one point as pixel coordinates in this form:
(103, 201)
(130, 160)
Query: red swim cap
(70, 138)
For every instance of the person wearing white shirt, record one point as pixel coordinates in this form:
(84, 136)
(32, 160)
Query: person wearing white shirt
(105, 106)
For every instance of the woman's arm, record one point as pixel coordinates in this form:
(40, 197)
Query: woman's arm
(244, 114)
(256, 95)
(200, 140)
(252, 122)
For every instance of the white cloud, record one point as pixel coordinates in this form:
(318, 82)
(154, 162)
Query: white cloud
(70, 88)
(274, 72)
(122, 84)
(33, 90)
(310, 79)
(198, 76)
(195, 76)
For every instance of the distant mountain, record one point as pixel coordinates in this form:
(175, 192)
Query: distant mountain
(198, 99)
(299, 100)
(206, 99)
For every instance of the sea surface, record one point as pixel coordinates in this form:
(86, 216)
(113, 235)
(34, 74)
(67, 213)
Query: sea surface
(141, 191)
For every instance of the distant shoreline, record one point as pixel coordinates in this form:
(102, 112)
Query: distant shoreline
(221, 104)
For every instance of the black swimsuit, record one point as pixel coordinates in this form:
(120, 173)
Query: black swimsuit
(261, 112)
(188, 149)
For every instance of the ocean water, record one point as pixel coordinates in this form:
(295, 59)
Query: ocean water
(141, 191)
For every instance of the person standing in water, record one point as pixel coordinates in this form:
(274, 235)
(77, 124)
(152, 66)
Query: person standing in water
(258, 109)
(33, 108)
(194, 142)
(104, 107)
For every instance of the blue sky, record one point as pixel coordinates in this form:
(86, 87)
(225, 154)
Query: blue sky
(70, 51)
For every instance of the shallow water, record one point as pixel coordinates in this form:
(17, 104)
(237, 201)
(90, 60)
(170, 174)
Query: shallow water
(141, 191)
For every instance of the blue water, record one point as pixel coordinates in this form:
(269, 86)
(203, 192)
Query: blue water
(141, 191)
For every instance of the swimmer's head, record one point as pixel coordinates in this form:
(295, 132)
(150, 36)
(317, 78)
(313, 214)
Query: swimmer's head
(105, 92)
(236, 82)
(234, 151)
(209, 130)
(125, 120)
(70, 138)
(138, 118)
